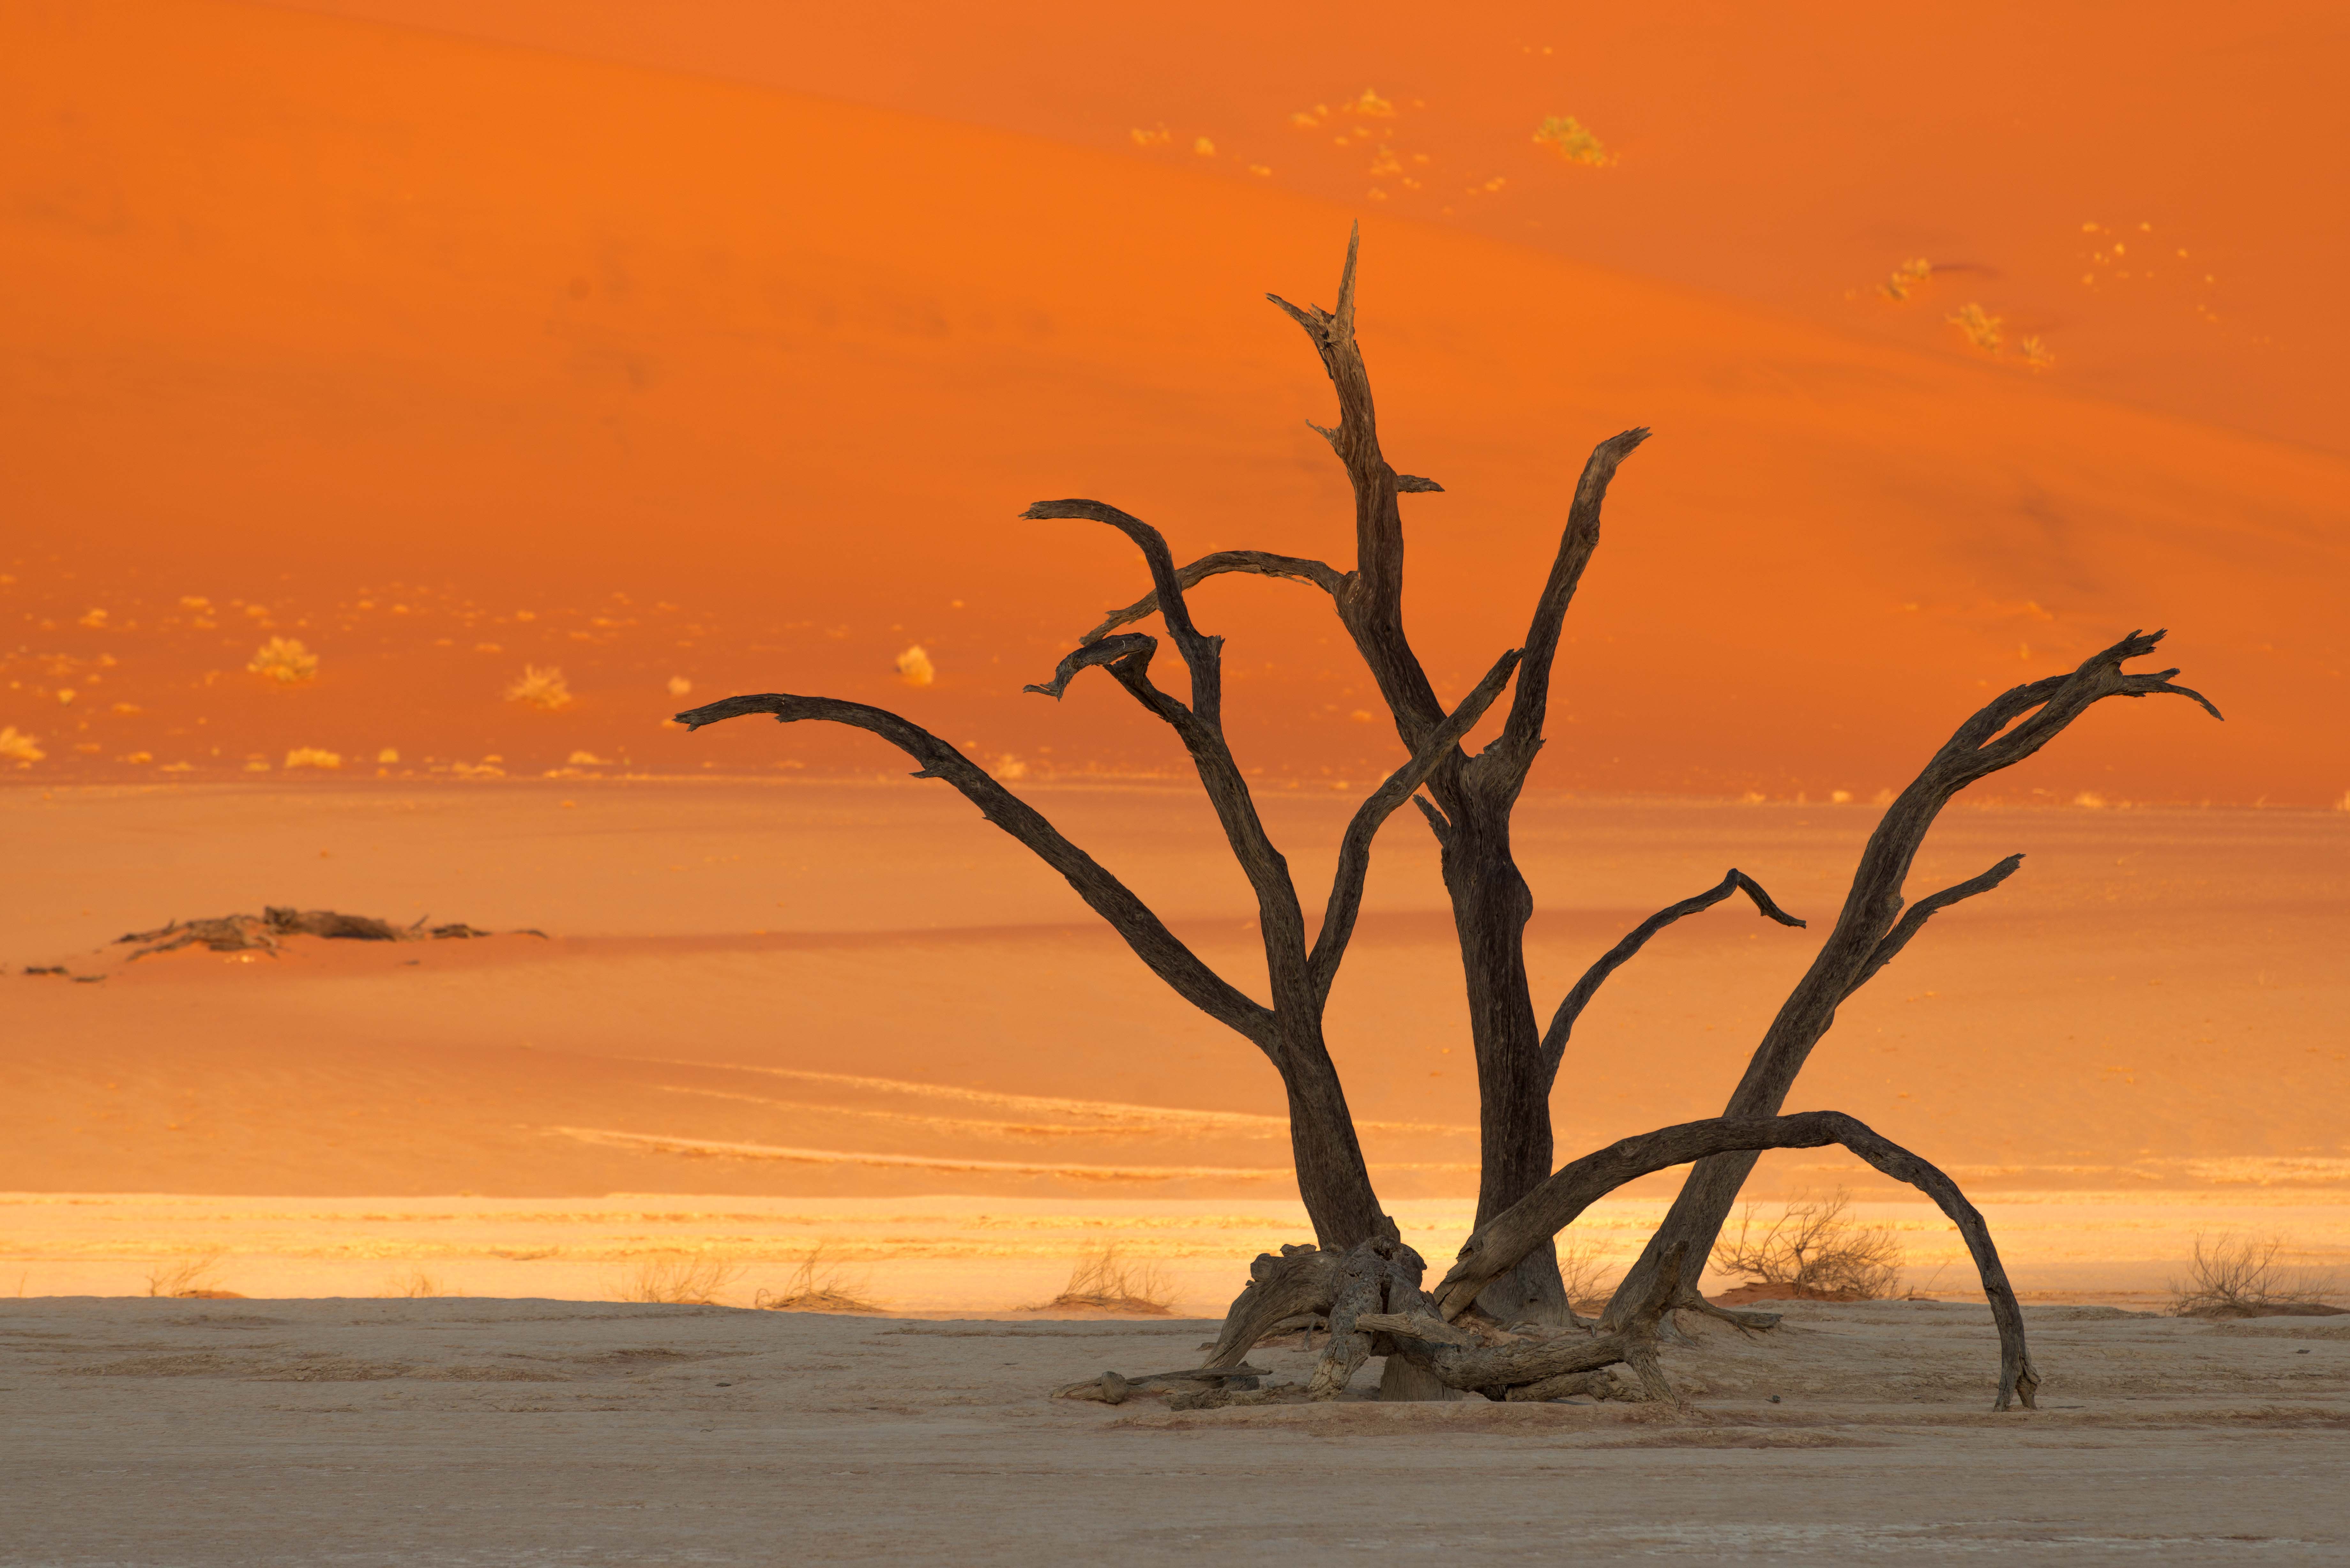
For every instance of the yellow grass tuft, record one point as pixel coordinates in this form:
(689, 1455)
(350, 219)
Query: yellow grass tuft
(284, 660)
(818, 1284)
(678, 1278)
(538, 688)
(313, 757)
(18, 747)
(1109, 1284)
(914, 667)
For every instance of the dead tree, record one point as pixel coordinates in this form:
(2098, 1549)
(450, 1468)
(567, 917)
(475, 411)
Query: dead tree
(1359, 1272)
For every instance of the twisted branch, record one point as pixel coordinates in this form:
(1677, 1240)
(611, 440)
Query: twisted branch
(1561, 1022)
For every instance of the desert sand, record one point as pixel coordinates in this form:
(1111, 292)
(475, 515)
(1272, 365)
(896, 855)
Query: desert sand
(862, 1007)
(541, 1431)
(407, 406)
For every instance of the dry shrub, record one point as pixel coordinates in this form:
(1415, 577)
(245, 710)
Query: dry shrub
(1109, 1284)
(313, 757)
(284, 660)
(678, 1279)
(192, 1276)
(1584, 1276)
(415, 1284)
(18, 747)
(820, 1284)
(1814, 1248)
(540, 688)
(2234, 1275)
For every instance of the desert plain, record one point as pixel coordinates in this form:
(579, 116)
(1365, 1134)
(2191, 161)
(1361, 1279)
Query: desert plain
(408, 406)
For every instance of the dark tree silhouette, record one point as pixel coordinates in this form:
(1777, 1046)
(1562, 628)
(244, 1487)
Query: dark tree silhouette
(1359, 1274)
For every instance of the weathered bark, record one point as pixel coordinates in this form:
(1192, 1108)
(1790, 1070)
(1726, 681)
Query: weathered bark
(1472, 798)
(1495, 1247)
(1302, 1279)
(2011, 727)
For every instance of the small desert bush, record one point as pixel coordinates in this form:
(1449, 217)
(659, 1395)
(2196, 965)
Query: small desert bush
(1908, 277)
(1565, 135)
(186, 1277)
(914, 667)
(415, 1284)
(1584, 1276)
(1978, 327)
(2234, 1275)
(313, 757)
(820, 1284)
(286, 662)
(19, 747)
(1813, 1247)
(1107, 1282)
(540, 689)
(678, 1278)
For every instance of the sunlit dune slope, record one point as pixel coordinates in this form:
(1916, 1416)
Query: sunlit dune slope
(746, 389)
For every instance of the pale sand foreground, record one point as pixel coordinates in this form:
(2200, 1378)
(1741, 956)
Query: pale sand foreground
(365, 1432)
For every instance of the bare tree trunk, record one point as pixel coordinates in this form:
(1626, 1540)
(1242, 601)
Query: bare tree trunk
(1491, 907)
(1332, 1177)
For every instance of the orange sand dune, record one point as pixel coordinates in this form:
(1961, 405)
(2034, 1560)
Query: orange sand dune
(2147, 189)
(376, 339)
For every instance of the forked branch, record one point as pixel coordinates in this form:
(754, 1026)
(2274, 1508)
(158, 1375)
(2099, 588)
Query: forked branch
(1498, 1245)
(1561, 1022)
(1143, 931)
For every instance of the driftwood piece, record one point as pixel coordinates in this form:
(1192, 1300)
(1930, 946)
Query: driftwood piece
(1496, 1246)
(1114, 1388)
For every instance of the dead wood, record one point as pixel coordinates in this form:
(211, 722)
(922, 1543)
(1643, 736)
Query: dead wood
(1113, 1388)
(1496, 1246)
(1280, 1289)
(1870, 930)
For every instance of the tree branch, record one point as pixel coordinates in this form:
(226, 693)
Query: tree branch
(1371, 602)
(1562, 1023)
(1522, 736)
(1201, 653)
(1143, 931)
(1261, 563)
(1096, 652)
(1498, 1245)
(2010, 728)
(1354, 847)
(1925, 909)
